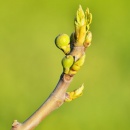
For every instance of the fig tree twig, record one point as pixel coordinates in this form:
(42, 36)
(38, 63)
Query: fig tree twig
(74, 49)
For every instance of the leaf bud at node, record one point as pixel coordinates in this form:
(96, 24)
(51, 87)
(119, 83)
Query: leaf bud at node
(67, 62)
(76, 66)
(62, 40)
(88, 39)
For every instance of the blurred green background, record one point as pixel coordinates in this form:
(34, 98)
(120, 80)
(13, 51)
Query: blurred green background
(30, 64)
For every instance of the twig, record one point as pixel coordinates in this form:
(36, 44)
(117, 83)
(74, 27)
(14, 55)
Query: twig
(74, 49)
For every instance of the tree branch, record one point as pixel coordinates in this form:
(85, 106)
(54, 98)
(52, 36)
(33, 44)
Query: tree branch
(55, 100)
(74, 48)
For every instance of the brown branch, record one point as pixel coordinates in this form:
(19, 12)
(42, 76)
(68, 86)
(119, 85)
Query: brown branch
(54, 101)
(75, 50)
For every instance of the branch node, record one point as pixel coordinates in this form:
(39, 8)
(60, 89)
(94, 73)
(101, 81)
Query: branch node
(67, 77)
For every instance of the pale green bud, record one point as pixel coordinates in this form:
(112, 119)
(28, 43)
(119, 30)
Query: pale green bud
(76, 66)
(80, 17)
(62, 41)
(78, 92)
(88, 39)
(88, 17)
(80, 27)
(67, 62)
(74, 94)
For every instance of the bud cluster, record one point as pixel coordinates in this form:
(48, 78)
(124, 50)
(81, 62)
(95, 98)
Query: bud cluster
(82, 37)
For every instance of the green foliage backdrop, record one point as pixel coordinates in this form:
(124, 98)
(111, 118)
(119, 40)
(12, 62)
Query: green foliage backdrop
(30, 64)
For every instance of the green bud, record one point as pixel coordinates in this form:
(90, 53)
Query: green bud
(74, 94)
(62, 41)
(88, 17)
(67, 62)
(80, 27)
(76, 66)
(78, 92)
(80, 17)
(88, 39)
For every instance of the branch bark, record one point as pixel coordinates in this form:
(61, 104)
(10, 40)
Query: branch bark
(74, 59)
(54, 101)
